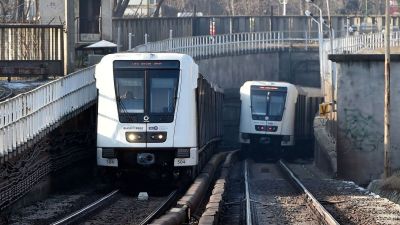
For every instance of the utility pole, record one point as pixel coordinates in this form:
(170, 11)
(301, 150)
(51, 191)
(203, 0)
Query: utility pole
(332, 70)
(386, 134)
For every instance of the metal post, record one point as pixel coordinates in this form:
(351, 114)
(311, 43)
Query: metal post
(148, 8)
(284, 2)
(170, 34)
(386, 140)
(145, 38)
(306, 33)
(321, 51)
(119, 38)
(130, 41)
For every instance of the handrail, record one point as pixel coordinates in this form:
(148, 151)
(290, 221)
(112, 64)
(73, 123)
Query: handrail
(205, 46)
(24, 116)
(354, 44)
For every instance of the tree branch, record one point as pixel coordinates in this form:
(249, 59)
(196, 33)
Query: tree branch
(157, 12)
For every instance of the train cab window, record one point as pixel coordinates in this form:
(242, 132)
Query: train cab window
(163, 87)
(259, 104)
(146, 89)
(130, 94)
(276, 104)
(267, 104)
(130, 89)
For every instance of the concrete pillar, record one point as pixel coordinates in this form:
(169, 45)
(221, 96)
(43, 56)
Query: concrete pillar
(106, 20)
(69, 37)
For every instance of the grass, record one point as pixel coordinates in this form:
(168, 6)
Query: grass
(392, 183)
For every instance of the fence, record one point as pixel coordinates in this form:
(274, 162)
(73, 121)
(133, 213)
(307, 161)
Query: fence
(31, 42)
(238, 43)
(25, 116)
(158, 29)
(28, 50)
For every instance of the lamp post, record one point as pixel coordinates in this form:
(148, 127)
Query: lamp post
(320, 41)
(284, 3)
(331, 36)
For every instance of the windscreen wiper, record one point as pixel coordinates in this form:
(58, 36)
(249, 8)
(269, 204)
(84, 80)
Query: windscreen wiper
(128, 115)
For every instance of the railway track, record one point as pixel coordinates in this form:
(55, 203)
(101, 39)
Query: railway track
(106, 206)
(275, 196)
(324, 216)
(271, 193)
(87, 210)
(278, 197)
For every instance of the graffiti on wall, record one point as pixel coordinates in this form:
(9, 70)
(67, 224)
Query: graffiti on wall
(363, 131)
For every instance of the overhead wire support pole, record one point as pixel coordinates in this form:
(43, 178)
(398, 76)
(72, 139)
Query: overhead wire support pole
(386, 132)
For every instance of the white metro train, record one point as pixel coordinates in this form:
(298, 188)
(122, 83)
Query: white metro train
(156, 114)
(276, 113)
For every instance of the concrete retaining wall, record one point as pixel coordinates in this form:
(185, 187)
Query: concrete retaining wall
(298, 67)
(32, 173)
(325, 155)
(360, 105)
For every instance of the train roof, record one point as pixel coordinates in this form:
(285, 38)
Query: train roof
(147, 56)
(308, 91)
(247, 84)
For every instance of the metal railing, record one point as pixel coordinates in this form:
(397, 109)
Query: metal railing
(237, 43)
(357, 44)
(354, 44)
(26, 115)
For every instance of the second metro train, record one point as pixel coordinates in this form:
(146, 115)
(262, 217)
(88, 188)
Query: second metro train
(279, 114)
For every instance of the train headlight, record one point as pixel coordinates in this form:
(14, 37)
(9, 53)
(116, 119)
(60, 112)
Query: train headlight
(133, 137)
(158, 137)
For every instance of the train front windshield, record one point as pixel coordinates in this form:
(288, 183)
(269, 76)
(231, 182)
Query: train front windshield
(145, 91)
(268, 103)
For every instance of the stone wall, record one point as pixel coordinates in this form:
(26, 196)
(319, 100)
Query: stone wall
(55, 148)
(360, 116)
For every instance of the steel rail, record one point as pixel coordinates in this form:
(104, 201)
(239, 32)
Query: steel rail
(162, 208)
(320, 210)
(87, 209)
(248, 203)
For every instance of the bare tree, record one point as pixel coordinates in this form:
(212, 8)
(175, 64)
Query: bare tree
(119, 7)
